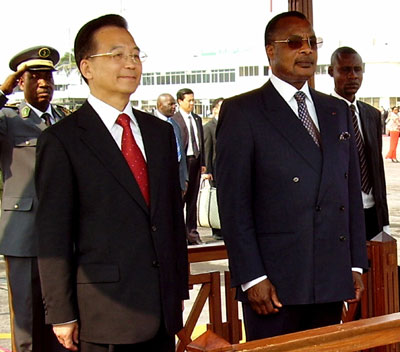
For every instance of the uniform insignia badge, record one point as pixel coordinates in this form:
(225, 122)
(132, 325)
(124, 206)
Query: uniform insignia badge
(44, 53)
(25, 111)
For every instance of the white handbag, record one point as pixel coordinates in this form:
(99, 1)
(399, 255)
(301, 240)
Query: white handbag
(207, 206)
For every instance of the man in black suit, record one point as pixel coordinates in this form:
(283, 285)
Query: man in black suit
(19, 129)
(289, 195)
(112, 248)
(347, 71)
(192, 136)
(210, 143)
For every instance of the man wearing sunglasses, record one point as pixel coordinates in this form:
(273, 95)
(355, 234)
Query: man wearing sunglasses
(289, 193)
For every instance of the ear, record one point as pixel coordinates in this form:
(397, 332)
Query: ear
(269, 49)
(21, 82)
(86, 69)
(330, 71)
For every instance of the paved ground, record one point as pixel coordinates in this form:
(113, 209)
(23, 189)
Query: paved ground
(393, 190)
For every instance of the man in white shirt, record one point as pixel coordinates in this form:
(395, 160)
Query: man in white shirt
(110, 221)
(347, 71)
(289, 193)
(193, 143)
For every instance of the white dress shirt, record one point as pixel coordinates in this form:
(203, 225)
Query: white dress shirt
(109, 115)
(185, 116)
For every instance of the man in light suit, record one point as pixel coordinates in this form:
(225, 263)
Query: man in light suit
(210, 143)
(289, 194)
(112, 247)
(19, 129)
(347, 71)
(165, 110)
(193, 144)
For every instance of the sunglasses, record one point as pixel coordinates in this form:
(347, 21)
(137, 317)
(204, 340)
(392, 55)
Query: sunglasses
(295, 42)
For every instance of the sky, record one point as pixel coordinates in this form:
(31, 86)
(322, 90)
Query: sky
(166, 30)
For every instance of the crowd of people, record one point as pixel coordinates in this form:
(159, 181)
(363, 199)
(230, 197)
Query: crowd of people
(99, 206)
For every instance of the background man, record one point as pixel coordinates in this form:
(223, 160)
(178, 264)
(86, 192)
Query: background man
(112, 249)
(19, 130)
(347, 71)
(288, 188)
(166, 105)
(192, 136)
(210, 143)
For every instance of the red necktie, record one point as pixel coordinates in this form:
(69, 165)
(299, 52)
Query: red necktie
(134, 156)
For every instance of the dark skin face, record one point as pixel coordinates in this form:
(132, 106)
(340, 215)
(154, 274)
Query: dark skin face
(38, 87)
(166, 105)
(347, 73)
(294, 66)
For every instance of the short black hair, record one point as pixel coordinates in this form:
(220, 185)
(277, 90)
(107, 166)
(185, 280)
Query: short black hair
(84, 45)
(272, 24)
(182, 92)
(342, 50)
(215, 103)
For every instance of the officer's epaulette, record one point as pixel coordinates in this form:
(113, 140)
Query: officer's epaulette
(13, 106)
(62, 109)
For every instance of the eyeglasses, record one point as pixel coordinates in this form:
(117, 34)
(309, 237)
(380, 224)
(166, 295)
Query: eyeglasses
(295, 42)
(119, 57)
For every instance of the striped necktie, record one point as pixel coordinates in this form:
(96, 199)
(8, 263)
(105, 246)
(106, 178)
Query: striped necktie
(365, 182)
(305, 117)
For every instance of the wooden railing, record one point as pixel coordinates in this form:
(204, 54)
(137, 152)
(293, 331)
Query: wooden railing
(380, 298)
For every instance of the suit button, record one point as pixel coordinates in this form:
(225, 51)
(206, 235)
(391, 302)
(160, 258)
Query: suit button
(155, 264)
(154, 228)
(318, 208)
(16, 206)
(345, 175)
(342, 238)
(342, 208)
(296, 179)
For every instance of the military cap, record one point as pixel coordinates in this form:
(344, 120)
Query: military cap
(38, 58)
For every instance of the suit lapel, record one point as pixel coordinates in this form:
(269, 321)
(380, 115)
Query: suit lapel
(282, 117)
(365, 124)
(328, 123)
(153, 154)
(99, 140)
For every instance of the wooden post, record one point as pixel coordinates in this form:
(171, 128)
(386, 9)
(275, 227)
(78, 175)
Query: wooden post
(305, 7)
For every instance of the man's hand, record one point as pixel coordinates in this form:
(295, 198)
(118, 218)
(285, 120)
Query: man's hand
(12, 80)
(263, 298)
(67, 335)
(207, 177)
(358, 287)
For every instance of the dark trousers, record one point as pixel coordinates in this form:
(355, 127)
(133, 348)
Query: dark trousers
(371, 223)
(190, 199)
(162, 342)
(290, 319)
(28, 329)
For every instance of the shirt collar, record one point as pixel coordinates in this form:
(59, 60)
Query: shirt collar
(287, 91)
(40, 113)
(336, 95)
(185, 114)
(161, 116)
(109, 114)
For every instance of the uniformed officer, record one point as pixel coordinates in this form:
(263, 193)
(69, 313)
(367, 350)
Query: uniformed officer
(19, 129)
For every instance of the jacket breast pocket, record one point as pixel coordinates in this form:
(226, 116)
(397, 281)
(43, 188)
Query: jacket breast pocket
(25, 141)
(17, 203)
(97, 273)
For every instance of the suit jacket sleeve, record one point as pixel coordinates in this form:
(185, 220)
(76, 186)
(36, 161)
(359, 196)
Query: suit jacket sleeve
(235, 165)
(208, 148)
(54, 184)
